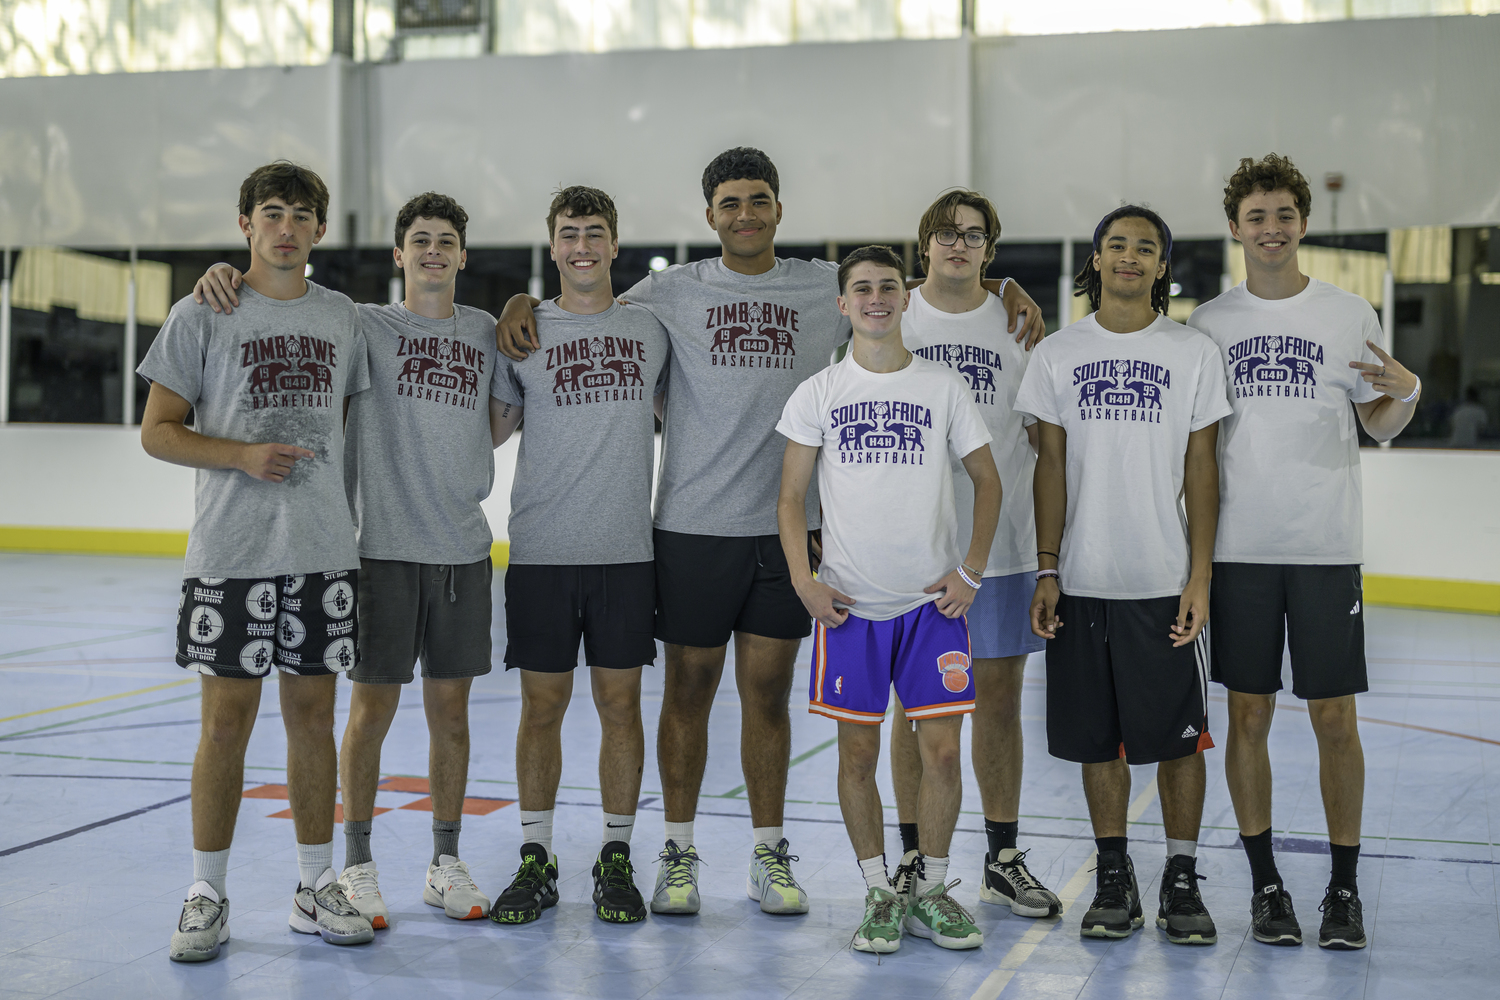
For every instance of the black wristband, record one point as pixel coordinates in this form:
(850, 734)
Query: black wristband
(1054, 555)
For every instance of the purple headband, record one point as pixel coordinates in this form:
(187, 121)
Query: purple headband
(1120, 213)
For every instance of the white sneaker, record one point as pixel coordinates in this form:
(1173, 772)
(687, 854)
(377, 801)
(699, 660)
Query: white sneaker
(203, 926)
(771, 882)
(363, 890)
(326, 911)
(450, 886)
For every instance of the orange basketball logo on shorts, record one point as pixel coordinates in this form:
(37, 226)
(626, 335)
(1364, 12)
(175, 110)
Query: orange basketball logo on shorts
(955, 670)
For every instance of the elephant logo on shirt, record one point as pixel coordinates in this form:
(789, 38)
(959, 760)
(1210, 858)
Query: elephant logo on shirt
(567, 376)
(627, 372)
(416, 368)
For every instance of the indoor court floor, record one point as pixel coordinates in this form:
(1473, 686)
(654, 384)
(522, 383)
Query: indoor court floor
(98, 728)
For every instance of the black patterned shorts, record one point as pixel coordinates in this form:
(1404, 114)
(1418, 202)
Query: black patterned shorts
(306, 625)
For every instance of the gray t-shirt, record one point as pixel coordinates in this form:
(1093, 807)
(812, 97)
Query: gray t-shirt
(740, 345)
(419, 456)
(271, 371)
(582, 492)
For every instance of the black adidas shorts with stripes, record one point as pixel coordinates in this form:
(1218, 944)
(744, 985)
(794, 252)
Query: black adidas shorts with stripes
(1117, 687)
(1260, 611)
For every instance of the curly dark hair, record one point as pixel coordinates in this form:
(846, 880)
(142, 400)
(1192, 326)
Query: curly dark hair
(1091, 283)
(1273, 173)
(431, 205)
(577, 201)
(884, 256)
(738, 164)
(942, 213)
(289, 181)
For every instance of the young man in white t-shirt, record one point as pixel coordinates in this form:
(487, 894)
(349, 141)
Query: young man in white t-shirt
(1286, 565)
(1129, 404)
(879, 427)
(954, 321)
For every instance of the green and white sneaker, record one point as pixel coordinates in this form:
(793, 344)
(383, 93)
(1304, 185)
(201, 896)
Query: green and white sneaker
(676, 881)
(939, 918)
(880, 932)
(771, 882)
(203, 926)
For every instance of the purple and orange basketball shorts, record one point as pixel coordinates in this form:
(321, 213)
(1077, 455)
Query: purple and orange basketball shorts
(923, 653)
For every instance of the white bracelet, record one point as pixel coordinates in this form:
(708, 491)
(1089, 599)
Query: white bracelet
(1047, 572)
(967, 578)
(1001, 292)
(1415, 392)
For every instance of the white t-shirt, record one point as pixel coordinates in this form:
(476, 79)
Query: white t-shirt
(889, 530)
(1128, 402)
(977, 345)
(1289, 480)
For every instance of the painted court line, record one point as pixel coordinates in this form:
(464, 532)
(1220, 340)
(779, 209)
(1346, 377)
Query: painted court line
(994, 984)
(95, 701)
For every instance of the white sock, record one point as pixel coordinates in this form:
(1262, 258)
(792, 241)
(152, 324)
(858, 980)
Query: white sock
(768, 835)
(618, 826)
(536, 828)
(312, 861)
(933, 871)
(1187, 848)
(680, 833)
(876, 877)
(212, 867)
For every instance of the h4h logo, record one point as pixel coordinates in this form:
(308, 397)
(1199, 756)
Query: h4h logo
(955, 670)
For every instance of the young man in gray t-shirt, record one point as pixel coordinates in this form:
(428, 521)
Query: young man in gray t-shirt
(747, 328)
(581, 550)
(272, 565)
(419, 459)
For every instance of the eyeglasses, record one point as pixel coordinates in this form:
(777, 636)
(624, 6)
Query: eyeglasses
(972, 238)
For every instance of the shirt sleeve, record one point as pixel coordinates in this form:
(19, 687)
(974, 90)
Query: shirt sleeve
(176, 357)
(1211, 396)
(499, 371)
(1036, 398)
(359, 365)
(966, 427)
(507, 386)
(801, 419)
(1370, 329)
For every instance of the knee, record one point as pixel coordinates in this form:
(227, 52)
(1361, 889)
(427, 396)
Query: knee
(229, 732)
(542, 712)
(618, 709)
(1250, 715)
(940, 755)
(1334, 720)
(858, 763)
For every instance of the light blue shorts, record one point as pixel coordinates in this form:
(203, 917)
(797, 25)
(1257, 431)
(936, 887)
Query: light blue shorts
(1000, 618)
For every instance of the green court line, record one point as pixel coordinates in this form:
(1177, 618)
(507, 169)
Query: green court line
(84, 642)
(101, 715)
(734, 792)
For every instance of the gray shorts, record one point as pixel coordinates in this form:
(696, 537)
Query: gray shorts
(409, 610)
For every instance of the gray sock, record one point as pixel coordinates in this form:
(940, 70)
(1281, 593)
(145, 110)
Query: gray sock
(357, 842)
(445, 837)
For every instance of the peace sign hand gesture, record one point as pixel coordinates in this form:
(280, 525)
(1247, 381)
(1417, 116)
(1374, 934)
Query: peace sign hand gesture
(1390, 377)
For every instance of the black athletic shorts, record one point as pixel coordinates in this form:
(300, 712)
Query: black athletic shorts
(549, 608)
(306, 625)
(409, 610)
(1259, 610)
(1117, 687)
(709, 586)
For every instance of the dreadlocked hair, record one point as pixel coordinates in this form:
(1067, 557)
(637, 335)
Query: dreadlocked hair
(1090, 282)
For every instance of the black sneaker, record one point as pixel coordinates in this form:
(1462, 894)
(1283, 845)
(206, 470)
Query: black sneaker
(1010, 883)
(1343, 921)
(1116, 909)
(616, 899)
(1271, 918)
(532, 890)
(1182, 913)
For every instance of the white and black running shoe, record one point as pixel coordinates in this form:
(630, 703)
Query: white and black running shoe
(1008, 882)
(1182, 913)
(1271, 918)
(1116, 909)
(203, 926)
(904, 881)
(327, 912)
(1343, 921)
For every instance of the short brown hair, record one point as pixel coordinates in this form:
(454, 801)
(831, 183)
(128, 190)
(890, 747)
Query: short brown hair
(284, 179)
(1273, 173)
(943, 214)
(578, 201)
(431, 205)
(884, 256)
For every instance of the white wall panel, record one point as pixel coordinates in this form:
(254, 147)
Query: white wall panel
(861, 147)
(154, 159)
(1071, 126)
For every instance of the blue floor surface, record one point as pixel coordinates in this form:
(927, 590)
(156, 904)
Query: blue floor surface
(98, 729)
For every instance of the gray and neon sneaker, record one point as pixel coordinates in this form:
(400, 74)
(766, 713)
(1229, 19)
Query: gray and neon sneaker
(939, 918)
(771, 882)
(880, 933)
(676, 880)
(203, 926)
(1008, 882)
(327, 912)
